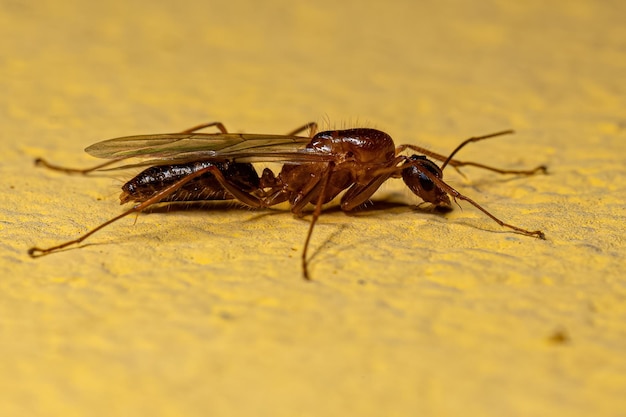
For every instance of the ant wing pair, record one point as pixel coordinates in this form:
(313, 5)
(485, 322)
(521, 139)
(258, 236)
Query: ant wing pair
(176, 148)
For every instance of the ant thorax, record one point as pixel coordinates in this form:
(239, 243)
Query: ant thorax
(361, 145)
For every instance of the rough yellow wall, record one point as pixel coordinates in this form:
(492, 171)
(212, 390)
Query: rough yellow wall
(203, 312)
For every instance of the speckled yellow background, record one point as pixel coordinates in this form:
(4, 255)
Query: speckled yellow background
(203, 312)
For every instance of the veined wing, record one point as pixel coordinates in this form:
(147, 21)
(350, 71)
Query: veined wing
(186, 146)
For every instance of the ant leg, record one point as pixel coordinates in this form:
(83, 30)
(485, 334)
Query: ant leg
(83, 171)
(309, 192)
(276, 192)
(316, 214)
(218, 125)
(359, 194)
(244, 197)
(316, 187)
(36, 252)
(312, 127)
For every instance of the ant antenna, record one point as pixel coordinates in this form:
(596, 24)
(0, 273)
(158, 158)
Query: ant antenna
(474, 139)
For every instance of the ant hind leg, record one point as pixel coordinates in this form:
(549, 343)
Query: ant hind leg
(311, 127)
(219, 125)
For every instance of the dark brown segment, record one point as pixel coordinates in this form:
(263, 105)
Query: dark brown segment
(205, 187)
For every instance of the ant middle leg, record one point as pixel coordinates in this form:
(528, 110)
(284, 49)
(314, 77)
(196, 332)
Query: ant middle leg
(320, 186)
(311, 127)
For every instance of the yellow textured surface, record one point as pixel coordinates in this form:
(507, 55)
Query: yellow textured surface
(204, 313)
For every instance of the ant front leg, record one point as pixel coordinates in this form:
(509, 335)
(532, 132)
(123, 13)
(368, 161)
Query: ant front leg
(359, 194)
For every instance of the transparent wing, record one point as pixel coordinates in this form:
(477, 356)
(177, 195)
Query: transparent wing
(182, 147)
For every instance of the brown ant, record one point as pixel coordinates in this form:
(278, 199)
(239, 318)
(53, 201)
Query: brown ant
(191, 166)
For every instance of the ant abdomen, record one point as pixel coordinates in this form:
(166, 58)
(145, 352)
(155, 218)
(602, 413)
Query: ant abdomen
(150, 181)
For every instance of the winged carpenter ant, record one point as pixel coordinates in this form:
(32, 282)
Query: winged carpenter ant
(193, 166)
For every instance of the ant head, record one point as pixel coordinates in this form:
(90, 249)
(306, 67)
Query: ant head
(416, 178)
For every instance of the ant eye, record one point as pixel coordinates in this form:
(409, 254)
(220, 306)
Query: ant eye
(430, 166)
(425, 182)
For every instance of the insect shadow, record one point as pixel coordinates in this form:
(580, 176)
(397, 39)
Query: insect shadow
(191, 167)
